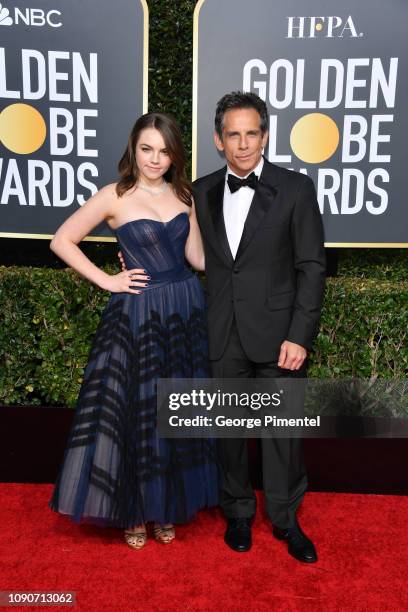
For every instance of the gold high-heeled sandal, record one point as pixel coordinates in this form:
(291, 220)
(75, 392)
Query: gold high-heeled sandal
(164, 535)
(135, 539)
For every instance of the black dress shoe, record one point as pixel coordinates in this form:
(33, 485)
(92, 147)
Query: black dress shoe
(299, 545)
(238, 534)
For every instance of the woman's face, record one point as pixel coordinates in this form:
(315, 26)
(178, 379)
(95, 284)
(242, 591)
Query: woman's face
(152, 158)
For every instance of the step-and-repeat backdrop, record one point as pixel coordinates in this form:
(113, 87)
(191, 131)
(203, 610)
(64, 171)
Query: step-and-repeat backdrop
(335, 80)
(73, 80)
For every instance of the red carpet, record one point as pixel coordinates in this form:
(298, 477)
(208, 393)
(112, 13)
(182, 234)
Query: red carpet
(362, 543)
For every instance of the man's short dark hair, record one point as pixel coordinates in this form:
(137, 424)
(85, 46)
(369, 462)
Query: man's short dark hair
(236, 100)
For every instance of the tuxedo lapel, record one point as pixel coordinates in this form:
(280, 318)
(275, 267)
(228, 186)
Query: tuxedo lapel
(263, 197)
(215, 198)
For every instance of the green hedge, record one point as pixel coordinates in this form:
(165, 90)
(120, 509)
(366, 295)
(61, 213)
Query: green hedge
(363, 330)
(171, 61)
(48, 319)
(383, 264)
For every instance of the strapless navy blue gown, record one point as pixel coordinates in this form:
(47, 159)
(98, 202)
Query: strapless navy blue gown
(116, 471)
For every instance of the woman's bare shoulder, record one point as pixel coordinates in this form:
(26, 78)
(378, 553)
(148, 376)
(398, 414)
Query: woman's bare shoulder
(107, 198)
(108, 192)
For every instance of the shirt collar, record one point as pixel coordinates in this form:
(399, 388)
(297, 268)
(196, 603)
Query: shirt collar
(257, 170)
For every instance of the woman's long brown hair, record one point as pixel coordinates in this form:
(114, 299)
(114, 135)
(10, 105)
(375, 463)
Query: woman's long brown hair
(176, 174)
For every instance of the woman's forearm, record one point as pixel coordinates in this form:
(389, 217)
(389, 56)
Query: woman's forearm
(198, 262)
(194, 254)
(70, 252)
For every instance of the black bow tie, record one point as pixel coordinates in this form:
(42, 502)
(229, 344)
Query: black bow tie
(235, 183)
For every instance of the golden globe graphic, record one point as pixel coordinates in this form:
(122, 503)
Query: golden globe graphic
(63, 124)
(314, 138)
(22, 128)
(335, 99)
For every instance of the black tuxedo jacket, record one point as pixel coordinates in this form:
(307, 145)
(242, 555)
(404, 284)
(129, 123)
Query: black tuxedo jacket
(275, 285)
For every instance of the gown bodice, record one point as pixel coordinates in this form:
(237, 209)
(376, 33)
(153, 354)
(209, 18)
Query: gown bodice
(157, 247)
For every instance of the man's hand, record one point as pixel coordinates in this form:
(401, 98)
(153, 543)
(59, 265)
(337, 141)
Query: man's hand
(122, 261)
(291, 356)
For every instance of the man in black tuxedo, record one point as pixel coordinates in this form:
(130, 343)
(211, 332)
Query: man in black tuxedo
(265, 271)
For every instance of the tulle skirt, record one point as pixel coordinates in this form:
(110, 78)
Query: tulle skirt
(116, 470)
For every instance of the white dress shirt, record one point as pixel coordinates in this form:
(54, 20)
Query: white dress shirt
(236, 208)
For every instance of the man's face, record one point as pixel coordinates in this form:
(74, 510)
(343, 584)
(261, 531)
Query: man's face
(242, 140)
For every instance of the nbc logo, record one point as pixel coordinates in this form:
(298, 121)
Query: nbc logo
(30, 17)
(5, 18)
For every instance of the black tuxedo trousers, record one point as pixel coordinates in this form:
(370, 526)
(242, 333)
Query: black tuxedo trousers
(284, 474)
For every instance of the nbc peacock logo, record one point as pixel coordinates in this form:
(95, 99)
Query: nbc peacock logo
(5, 18)
(30, 16)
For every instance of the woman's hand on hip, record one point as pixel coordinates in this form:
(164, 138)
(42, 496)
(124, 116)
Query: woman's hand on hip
(127, 281)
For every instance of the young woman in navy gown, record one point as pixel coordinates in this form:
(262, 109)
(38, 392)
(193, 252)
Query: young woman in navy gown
(116, 470)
